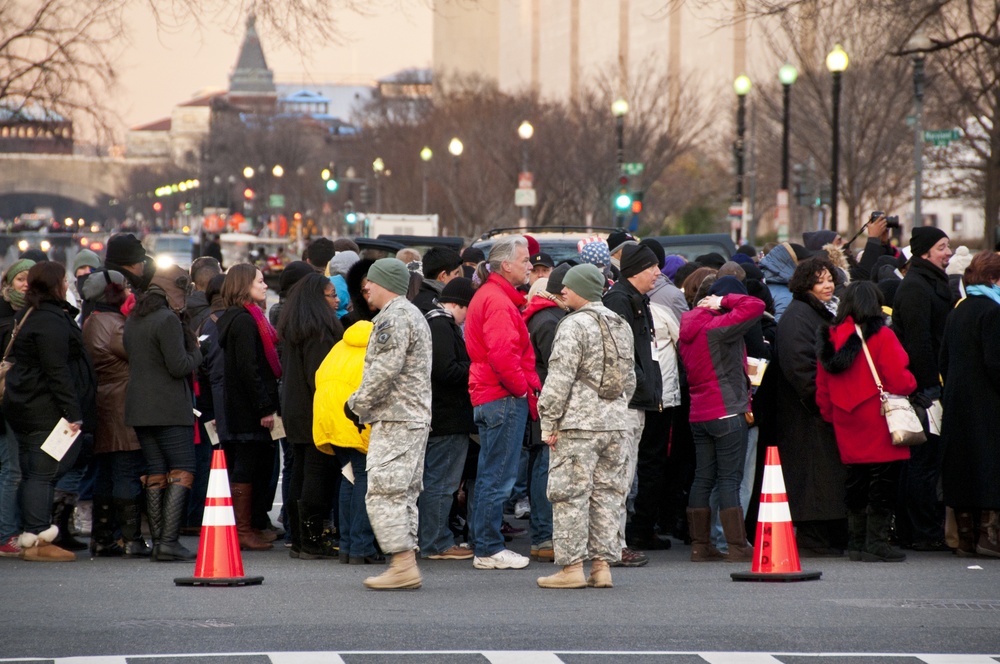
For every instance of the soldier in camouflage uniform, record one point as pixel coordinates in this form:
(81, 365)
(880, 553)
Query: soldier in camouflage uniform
(583, 414)
(395, 396)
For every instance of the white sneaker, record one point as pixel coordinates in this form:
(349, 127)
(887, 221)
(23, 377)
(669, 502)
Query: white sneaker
(505, 559)
(522, 509)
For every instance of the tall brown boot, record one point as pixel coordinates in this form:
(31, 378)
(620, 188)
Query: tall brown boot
(740, 550)
(600, 574)
(242, 509)
(966, 526)
(989, 534)
(401, 575)
(700, 529)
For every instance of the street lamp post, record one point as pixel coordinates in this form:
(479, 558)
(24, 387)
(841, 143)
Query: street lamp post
(378, 167)
(618, 109)
(836, 62)
(919, 44)
(742, 87)
(525, 131)
(787, 75)
(455, 147)
(425, 156)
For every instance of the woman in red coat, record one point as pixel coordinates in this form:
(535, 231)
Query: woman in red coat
(848, 398)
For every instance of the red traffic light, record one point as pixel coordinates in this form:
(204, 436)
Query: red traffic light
(636, 207)
(157, 206)
(623, 181)
(248, 193)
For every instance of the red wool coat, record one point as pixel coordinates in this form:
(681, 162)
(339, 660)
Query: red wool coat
(848, 398)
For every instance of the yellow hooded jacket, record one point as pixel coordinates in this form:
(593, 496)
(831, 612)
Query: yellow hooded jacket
(337, 379)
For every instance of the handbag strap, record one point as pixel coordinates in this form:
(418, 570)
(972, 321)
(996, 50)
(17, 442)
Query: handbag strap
(871, 364)
(13, 335)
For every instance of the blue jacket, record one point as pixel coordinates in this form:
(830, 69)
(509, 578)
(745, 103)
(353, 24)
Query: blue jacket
(778, 267)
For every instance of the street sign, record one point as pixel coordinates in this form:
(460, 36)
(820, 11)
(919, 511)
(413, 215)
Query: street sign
(276, 201)
(525, 180)
(736, 210)
(942, 137)
(525, 198)
(633, 168)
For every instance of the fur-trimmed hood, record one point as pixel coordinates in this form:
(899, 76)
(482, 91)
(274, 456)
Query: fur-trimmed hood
(838, 347)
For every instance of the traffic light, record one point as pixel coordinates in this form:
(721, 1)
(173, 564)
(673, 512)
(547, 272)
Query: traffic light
(248, 194)
(366, 195)
(623, 199)
(331, 186)
(637, 202)
(350, 216)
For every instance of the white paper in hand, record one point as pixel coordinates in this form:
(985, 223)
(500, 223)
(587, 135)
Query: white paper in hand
(278, 430)
(934, 414)
(60, 440)
(212, 431)
(348, 471)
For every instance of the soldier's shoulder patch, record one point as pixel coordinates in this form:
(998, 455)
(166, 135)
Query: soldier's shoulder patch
(383, 336)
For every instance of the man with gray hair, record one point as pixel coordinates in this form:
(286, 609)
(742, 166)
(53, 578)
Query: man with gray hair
(504, 388)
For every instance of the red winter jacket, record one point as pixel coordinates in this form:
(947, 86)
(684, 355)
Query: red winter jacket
(503, 361)
(847, 396)
(714, 356)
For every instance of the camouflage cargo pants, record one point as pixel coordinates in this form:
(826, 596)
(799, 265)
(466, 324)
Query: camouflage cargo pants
(395, 479)
(586, 488)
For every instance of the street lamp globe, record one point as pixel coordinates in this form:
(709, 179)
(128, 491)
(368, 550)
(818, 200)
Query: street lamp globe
(378, 165)
(525, 131)
(455, 147)
(277, 171)
(426, 154)
(742, 85)
(788, 74)
(248, 172)
(919, 44)
(619, 108)
(836, 60)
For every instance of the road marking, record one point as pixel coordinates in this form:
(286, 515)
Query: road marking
(521, 657)
(308, 658)
(957, 659)
(738, 658)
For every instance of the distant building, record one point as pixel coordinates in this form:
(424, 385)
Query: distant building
(36, 130)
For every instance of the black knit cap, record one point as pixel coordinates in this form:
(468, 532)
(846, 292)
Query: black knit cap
(657, 249)
(291, 275)
(555, 282)
(458, 291)
(923, 238)
(125, 249)
(635, 259)
(617, 239)
(473, 255)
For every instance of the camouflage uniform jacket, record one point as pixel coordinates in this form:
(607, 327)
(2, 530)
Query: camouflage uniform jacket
(578, 352)
(396, 384)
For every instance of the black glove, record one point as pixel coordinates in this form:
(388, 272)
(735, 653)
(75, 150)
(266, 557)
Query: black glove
(921, 399)
(352, 416)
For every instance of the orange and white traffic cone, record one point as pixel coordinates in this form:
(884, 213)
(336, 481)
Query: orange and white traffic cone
(219, 561)
(776, 554)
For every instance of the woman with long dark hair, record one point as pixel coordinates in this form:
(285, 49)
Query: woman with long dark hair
(848, 398)
(51, 378)
(162, 357)
(252, 370)
(308, 329)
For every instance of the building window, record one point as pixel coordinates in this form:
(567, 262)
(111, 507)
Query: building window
(956, 223)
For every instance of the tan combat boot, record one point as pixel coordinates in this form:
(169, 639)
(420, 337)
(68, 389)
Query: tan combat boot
(600, 574)
(401, 575)
(570, 576)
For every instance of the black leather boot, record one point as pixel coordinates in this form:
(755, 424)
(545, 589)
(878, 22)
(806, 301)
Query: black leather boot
(103, 543)
(857, 532)
(174, 510)
(155, 487)
(292, 511)
(314, 544)
(877, 547)
(62, 516)
(130, 521)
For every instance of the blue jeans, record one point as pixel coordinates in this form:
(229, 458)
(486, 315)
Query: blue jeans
(10, 482)
(167, 448)
(720, 451)
(443, 465)
(39, 475)
(541, 509)
(356, 535)
(118, 475)
(501, 433)
(746, 490)
(199, 490)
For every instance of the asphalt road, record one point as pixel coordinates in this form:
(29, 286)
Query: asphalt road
(932, 603)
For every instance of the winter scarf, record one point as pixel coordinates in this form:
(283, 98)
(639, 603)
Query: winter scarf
(992, 292)
(268, 336)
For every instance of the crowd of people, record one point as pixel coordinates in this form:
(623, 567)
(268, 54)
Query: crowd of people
(621, 401)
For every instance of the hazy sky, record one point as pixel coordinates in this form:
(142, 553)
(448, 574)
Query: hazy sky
(159, 69)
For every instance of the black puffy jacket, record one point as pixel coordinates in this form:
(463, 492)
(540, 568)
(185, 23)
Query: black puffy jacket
(633, 307)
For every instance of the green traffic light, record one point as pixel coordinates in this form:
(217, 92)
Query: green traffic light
(331, 185)
(623, 201)
(351, 217)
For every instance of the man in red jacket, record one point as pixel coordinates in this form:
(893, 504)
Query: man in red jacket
(504, 388)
